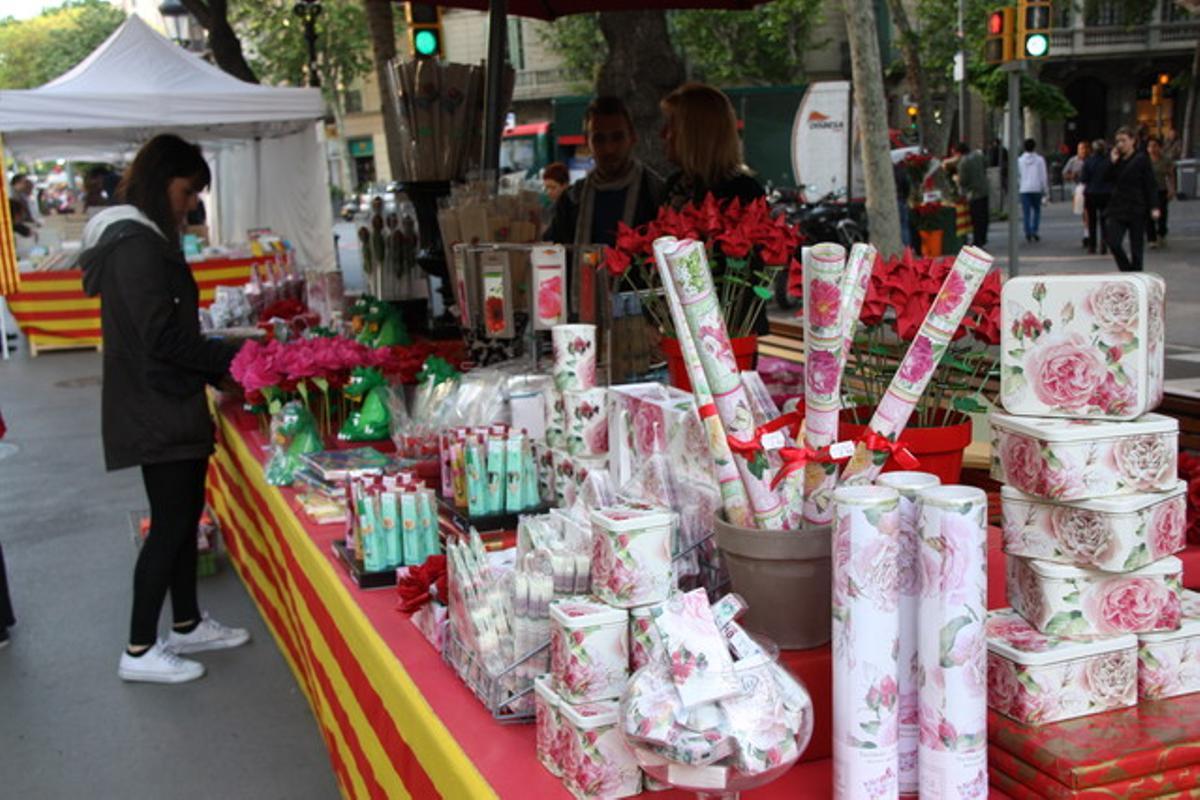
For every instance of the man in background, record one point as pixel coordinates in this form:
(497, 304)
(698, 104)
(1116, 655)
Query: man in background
(973, 185)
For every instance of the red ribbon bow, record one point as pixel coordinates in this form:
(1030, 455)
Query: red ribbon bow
(746, 448)
(879, 444)
(795, 458)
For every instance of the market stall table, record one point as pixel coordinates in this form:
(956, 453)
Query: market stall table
(54, 313)
(396, 719)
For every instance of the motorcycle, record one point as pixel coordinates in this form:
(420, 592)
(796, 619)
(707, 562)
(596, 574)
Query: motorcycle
(828, 219)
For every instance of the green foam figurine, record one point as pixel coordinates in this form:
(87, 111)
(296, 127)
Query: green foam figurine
(372, 421)
(293, 434)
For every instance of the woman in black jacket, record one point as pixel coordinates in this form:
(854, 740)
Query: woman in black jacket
(1134, 199)
(153, 409)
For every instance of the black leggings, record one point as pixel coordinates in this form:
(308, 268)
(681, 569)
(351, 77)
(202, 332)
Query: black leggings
(6, 611)
(168, 557)
(1114, 231)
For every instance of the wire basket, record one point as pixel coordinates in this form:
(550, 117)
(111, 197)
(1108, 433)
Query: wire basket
(508, 695)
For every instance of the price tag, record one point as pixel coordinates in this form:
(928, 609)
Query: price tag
(840, 450)
(774, 440)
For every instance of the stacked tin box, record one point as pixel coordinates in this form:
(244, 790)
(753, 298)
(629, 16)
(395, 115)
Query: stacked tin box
(1093, 510)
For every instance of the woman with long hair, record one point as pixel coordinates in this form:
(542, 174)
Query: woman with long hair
(153, 410)
(701, 139)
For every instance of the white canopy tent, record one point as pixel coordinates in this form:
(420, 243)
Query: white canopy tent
(269, 169)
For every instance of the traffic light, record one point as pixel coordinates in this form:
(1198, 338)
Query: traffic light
(424, 29)
(1033, 29)
(912, 111)
(998, 47)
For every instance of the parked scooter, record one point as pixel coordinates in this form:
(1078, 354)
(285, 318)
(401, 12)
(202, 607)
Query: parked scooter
(829, 219)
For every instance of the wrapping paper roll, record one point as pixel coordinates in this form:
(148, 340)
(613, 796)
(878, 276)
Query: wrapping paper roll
(952, 643)
(825, 277)
(926, 350)
(908, 484)
(585, 413)
(733, 492)
(866, 632)
(574, 356)
(693, 283)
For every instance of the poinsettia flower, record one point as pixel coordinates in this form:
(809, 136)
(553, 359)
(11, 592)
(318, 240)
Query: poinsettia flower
(615, 261)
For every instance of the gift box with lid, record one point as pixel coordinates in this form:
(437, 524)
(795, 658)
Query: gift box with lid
(1082, 346)
(1169, 662)
(631, 555)
(1036, 678)
(1114, 534)
(1068, 601)
(597, 763)
(589, 650)
(1074, 459)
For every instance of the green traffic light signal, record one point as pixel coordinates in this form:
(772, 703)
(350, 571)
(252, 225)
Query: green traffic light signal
(1037, 45)
(425, 42)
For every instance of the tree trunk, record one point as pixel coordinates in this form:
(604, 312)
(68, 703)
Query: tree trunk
(383, 44)
(918, 82)
(213, 16)
(870, 108)
(1189, 108)
(641, 68)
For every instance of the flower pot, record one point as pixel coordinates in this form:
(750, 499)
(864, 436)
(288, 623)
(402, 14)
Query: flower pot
(939, 449)
(785, 578)
(931, 242)
(744, 350)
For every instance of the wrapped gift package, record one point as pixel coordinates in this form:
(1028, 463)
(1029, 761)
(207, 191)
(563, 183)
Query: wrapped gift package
(1169, 662)
(1076, 459)
(549, 724)
(644, 644)
(1037, 678)
(1155, 737)
(1016, 778)
(649, 418)
(1069, 601)
(631, 556)
(1114, 534)
(1082, 346)
(589, 650)
(598, 762)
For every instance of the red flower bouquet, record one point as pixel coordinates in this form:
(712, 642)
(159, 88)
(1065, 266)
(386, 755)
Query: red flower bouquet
(902, 291)
(747, 248)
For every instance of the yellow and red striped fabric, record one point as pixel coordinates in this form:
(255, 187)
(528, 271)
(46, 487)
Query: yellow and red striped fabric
(53, 311)
(10, 278)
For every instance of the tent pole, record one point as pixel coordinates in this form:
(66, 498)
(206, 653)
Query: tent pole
(493, 114)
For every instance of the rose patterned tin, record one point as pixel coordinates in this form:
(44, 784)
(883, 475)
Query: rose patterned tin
(598, 762)
(1037, 678)
(589, 650)
(1082, 345)
(645, 646)
(1083, 459)
(1068, 601)
(631, 555)
(1114, 534)
(549, 723)
(1169, 663)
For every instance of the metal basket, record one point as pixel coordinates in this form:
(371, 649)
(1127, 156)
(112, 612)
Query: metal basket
(508, 695)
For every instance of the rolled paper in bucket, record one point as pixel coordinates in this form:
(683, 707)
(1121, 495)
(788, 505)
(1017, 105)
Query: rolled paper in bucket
(692, 281)
(866, 627)
(910, 380)
(952, 645)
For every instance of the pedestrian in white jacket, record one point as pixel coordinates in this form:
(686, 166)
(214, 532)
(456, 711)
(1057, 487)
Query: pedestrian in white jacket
(1034, 185)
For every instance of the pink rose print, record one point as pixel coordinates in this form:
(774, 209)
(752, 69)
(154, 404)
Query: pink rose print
(1148, 462)
(975, 788)
(919, 361)
(824, 302)
(1127, 605)
(1083, 536)
(877, 570)
(596, 439)
(717, 345)
(597, 778)
(823, 371)
(1114, 307)
(841, 557)
(1021, 458)
(1030, 600)
(951, 295)
(1166, 529)
(1114, 397)
(1018, 633)
(1111, 680)
(649, 430)
(1065, 371)
(1003, 686)
(1156, 682)
(948, 563)
(550, 298)
(909, 578)
(909, 702)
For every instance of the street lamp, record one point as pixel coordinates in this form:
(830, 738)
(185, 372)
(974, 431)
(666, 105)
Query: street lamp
(308, 11)
(178, 22)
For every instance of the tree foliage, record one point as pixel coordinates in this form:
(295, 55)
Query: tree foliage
(37, 50)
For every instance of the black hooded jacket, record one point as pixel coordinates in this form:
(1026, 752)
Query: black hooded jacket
(156, 362)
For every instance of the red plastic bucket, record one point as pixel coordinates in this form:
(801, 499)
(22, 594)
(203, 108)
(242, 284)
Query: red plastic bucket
(939, 449)
(744, 351)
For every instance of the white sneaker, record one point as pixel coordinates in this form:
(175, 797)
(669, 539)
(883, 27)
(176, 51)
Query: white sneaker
(159, 665)
(208, 635)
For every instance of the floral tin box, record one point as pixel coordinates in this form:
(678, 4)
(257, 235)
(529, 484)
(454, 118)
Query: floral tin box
(597, 761)
(1169, 663)
(1062, 459)
(1068, 601)
(589, 650)
(1114, 534)
(1082, 345)
(1036, 678)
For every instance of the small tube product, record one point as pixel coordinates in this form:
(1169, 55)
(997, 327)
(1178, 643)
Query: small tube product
(426, 512)
(390, 519)
(513, 472)
(476, 486)
(495, 473)
(408, 516)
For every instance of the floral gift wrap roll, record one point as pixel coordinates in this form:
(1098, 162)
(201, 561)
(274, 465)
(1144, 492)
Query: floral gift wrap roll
(1068, 601)
(1062, 459)
(1036, 678)
(1114, 534)
(631, 555)
(1082, 345)
(574, 356)
(1169, 663)
(589, 650)
(598, 764)
(585, 414)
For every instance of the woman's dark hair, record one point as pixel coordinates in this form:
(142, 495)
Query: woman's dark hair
(557, 172)
(161, 160)
(1030, 145)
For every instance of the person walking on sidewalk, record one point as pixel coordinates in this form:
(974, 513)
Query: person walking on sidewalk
(972, 183)
(1134, 197)
(1164, 177)
(1096, 192)
(153, 409)
(1034, 185)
